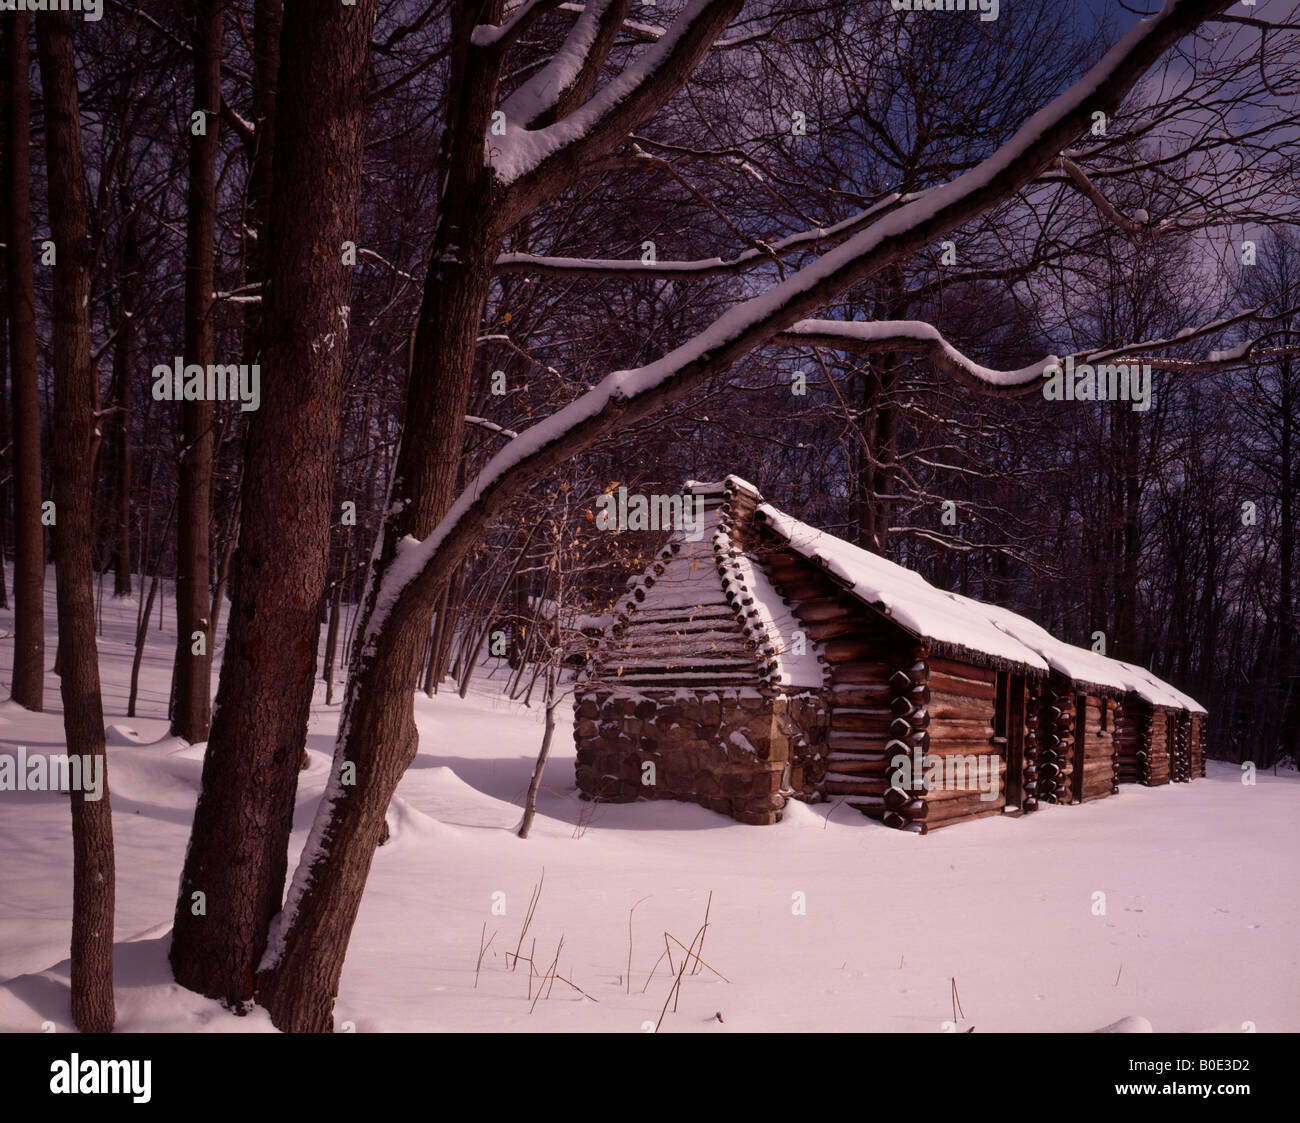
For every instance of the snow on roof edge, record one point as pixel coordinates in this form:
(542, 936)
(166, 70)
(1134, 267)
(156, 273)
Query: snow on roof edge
(951, 624)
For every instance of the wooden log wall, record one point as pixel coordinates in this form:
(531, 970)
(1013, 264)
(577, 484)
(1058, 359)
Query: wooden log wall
(1153, 750)
(1130, 717)
(962, 703)
(1056, 742)
(887, 698)
(678, 625)
(1029, 775)
(1180, 759)
(876, 686)
(906, 805)
(1196, 745)
(1095, 755)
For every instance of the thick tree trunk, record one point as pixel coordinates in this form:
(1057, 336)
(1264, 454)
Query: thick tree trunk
(267, 19)
(378, 737)
(29, 535)
(74, 443)
(192, 712)
(301, 978)
(238, 849)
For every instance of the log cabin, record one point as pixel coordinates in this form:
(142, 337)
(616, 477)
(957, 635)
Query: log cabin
(1078, 757)
(760, 660)
(1155, 732)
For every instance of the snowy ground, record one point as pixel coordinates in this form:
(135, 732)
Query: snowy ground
(1201, 894)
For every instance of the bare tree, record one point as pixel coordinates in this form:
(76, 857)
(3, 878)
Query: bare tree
(192, 689)
(29, 534)
(238, 851)
(76, 429)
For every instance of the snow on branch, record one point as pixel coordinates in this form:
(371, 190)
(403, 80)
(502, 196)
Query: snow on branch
(583, 52)
(1138, 224)
(919, 338)
(701, 267)
(499, 38)
(648, 33)
(623, 397)
(490, 426)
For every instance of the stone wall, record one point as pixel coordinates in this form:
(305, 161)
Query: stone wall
(732, 750)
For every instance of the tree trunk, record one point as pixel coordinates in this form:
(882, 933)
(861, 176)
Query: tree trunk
(29, 535)
(5, 430)
(75, 427)
(223, 567)
(142, 624)
(332, 633)
(238, 849)
(377, 738)
(123, 354)
(534, 785)
(1287, 662)
(192, 711)
(267, 20)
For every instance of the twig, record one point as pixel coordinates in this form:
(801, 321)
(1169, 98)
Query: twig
(956, 1002)
(482, 951)
(654, 969)
(696, 956)
(1118, 973)
(827, 817)
(528, 919)
(576, 987)
(674, 992)
(698, 960)
(542, 985)
(675, 989)
(629, 943)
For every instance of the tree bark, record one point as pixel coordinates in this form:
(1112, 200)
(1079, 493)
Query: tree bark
(29, 535)
(192, 713)
(75, 427)
(336, 612)
(548, 733)
(123, 354)
(238, 849)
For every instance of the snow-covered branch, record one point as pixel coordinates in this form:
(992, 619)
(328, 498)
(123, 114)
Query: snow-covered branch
(624, 397)
(565, 81)
(500, 38)
(528, 159)
(1091, 191)
(918, 338)
(701, 267)
(490, 426)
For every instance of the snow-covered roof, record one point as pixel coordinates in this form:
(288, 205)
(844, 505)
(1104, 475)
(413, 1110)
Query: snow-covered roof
(1157, 692)
(1085, 667)
(964, 624)
(1088, 668)
(945, 620)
